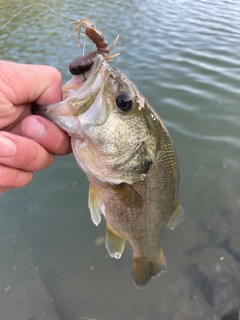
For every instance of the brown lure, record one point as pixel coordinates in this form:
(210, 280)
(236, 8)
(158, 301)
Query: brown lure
(82, 64)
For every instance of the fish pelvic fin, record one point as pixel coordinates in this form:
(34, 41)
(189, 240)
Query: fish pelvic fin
(176, 217)
(143, 270)
(115, 243)
(95, 205)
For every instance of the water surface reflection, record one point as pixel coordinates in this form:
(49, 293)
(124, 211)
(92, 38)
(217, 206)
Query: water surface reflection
(184, 57)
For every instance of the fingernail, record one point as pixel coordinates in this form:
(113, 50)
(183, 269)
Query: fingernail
(7, 147)
(33, 128)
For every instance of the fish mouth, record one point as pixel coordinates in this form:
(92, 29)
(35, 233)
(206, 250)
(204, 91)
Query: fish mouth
(83, 81)
(78, 95)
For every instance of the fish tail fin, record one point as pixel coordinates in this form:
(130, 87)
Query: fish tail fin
(143, 270)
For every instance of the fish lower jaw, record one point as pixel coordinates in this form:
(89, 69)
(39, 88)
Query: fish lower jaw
(77, 136)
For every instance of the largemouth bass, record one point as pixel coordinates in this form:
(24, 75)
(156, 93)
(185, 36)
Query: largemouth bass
(128, 156)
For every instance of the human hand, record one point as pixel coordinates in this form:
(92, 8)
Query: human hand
(27, 142)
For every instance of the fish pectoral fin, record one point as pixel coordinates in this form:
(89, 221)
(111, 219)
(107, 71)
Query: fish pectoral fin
(115, 243)
(95, 205)
(143, 270)
(127, 195)
(176, 217)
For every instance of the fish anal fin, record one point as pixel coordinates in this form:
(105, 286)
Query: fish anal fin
(115, 243)
(127, 195)
(143, 269)
(95, 205)
(176, 217)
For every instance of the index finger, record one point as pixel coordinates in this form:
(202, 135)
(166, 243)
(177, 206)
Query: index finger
(21, 83)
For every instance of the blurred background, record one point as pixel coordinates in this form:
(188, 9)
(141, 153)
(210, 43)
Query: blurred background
(184, 56)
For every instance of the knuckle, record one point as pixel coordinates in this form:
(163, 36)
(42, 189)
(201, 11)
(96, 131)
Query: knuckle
(39, 158)
(23, 178)
(34, 157)
(62, 144)
(58, 143)
(54, 75)
(13, 178)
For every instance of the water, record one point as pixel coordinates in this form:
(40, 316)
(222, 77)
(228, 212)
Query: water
(185, 58)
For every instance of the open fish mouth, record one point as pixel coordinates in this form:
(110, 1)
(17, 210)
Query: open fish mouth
(78, 95)
(83, 81)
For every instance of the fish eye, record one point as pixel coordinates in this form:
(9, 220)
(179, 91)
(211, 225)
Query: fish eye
(124, 102)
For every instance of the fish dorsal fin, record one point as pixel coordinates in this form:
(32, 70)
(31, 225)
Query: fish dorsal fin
(95, 205)
(176, 217)
(127, 195)
(144, 269)
(115, 243)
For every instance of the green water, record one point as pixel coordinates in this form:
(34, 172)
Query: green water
(184, 56)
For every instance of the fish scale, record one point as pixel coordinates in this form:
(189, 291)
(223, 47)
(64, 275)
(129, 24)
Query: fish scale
(129, 159)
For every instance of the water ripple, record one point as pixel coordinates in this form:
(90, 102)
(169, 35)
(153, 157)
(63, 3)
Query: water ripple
(183, 57)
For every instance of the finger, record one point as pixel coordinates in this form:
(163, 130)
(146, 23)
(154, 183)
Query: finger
(13, 178)
(31, 83)
(23, 153)
(46, 133)
(2, 190)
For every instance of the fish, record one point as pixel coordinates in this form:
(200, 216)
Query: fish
(125, 150)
